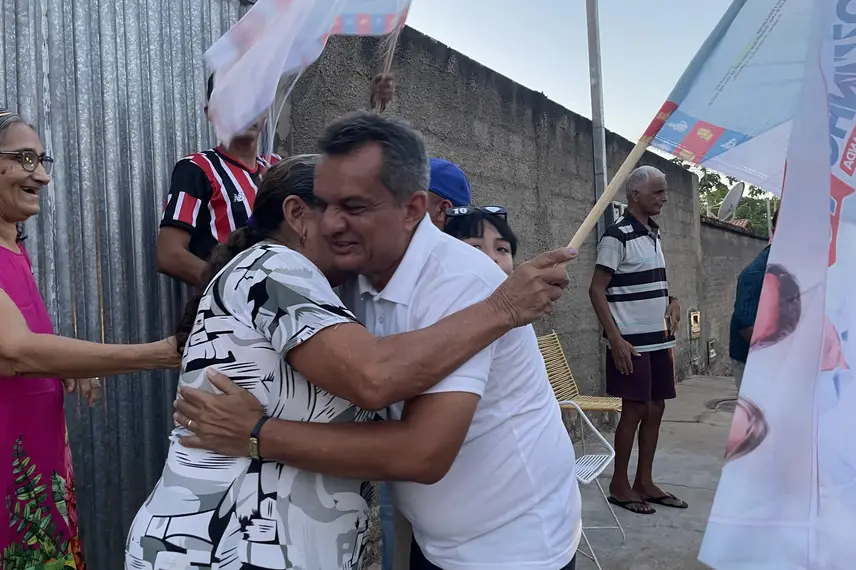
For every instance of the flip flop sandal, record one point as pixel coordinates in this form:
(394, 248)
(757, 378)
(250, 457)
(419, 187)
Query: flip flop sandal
(628, 504)
(667, 497)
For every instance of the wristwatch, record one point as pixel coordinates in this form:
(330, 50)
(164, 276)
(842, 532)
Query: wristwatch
(254, 438)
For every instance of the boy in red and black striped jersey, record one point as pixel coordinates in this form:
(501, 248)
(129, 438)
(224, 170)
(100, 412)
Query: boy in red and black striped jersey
(212, 194)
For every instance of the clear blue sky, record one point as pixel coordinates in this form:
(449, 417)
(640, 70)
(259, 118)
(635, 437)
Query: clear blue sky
(645, 47)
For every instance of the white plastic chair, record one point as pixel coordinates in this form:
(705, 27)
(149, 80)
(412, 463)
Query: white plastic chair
(588, 469)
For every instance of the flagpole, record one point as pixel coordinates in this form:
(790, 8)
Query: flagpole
(598, 129)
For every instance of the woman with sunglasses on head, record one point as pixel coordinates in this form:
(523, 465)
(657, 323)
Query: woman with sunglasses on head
(36, 478)
(487, 229)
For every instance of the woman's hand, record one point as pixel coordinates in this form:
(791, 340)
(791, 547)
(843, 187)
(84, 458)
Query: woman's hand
(90, 389)
(219, 422)
(168, 353)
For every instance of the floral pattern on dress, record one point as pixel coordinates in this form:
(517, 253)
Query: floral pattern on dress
(44, 542)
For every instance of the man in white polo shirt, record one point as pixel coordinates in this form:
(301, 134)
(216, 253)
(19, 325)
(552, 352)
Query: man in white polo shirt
(493, 462)
(481, 464)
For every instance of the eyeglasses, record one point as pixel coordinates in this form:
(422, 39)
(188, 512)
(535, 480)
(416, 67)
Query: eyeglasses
(30, 160)
(469, 210)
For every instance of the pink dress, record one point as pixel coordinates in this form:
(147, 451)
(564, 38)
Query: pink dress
(38, 519)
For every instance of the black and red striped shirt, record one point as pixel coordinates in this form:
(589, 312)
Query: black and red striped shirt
(211, 195)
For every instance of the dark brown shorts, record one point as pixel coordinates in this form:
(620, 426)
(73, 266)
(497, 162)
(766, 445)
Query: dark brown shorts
(652, 379)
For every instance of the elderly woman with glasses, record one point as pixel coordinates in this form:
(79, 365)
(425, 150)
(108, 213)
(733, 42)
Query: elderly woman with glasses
(36, 478)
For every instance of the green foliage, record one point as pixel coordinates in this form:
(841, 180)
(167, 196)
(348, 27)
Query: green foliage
(58, 492)
(712, 188)
(42, 546)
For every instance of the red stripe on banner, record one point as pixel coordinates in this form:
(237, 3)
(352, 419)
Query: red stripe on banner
(337, 26)
(389, 22)
(662, 116)
(219, 201)
(364, 24)
(838, 191)
(700, 138)
(188, 207)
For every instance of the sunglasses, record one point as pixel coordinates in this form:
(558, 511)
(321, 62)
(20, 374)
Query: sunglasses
(30, 160)
(469, 210)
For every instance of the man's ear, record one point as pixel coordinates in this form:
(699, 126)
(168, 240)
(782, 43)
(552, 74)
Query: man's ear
(415, 208)
(441, 215)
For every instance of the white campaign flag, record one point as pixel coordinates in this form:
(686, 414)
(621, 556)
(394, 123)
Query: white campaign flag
(787, 496)
(732, 109)
(277, 38)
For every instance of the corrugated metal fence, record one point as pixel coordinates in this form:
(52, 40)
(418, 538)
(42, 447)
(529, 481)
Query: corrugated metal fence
(115, 87)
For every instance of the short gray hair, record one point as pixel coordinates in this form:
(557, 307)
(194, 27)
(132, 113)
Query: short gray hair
(7, 119)
(405, 167)
(640, 177)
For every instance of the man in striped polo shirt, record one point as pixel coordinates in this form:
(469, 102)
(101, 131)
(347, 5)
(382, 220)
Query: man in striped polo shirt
(630, 295)
(212, 194)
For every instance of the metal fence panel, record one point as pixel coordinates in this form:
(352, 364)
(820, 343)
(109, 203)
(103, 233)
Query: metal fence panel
(116, 89)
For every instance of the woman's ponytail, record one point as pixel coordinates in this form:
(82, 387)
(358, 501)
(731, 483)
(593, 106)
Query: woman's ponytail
(239, 241)
(290, 177)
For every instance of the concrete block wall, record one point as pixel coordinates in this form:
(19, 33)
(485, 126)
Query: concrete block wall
(520, 150)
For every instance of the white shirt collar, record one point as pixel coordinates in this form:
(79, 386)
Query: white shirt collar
(400, 288)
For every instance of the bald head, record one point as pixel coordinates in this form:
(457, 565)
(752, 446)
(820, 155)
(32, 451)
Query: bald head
(646, 191)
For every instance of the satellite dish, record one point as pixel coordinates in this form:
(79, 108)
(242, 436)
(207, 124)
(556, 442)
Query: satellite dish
(729, 204)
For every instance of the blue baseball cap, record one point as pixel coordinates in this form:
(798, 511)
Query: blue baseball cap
(449, 181)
